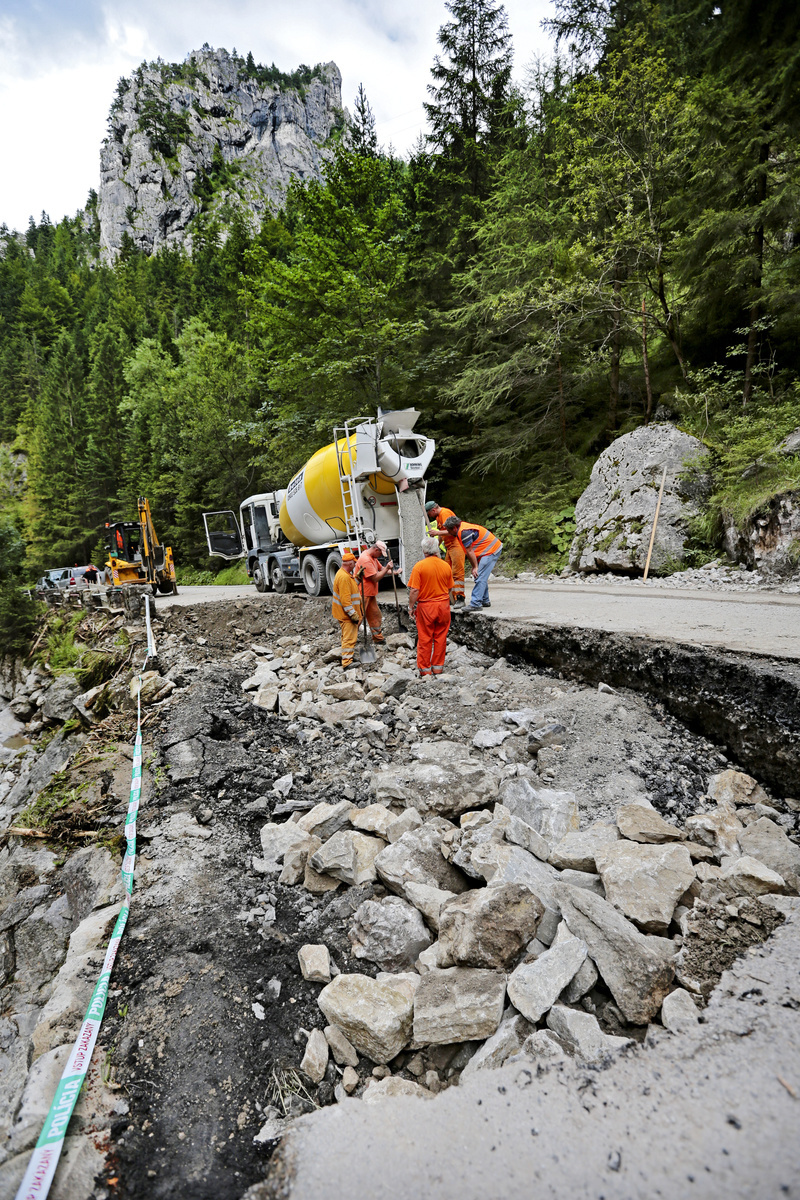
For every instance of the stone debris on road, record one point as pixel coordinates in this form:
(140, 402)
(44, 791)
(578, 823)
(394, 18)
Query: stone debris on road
(411, 888)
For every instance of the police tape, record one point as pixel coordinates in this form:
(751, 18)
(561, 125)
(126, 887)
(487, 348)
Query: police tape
(44, 1160)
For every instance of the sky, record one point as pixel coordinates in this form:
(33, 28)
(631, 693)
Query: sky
(60, 61)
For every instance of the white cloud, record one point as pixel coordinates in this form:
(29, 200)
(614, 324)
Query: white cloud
(59, 65)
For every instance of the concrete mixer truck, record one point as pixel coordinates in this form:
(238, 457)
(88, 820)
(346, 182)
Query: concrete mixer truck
(367, 486)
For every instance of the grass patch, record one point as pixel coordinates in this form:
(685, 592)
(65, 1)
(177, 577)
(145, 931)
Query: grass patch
(56, 806)
(97, 667)
(194, 577)
(60, 650)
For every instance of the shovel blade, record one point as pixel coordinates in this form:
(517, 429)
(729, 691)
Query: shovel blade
(366, 654)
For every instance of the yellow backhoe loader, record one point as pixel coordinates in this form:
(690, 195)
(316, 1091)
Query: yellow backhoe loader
(135, 554)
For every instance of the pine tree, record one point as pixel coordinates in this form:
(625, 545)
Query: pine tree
(471, 80)
(364, 139)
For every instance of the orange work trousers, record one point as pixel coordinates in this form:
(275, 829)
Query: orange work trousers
(349, 640)
(374, 618)
(433, 622)
(455, 557)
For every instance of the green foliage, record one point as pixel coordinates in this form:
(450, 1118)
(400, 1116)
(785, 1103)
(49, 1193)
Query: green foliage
(59, 649)
(54, 806)
(17, 610)
(335, 318)
(192, 577)
(97, 667)
(563, 530)
(748, 467)
(167, 128)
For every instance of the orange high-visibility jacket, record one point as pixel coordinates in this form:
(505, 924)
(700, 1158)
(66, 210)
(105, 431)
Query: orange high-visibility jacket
(482, 543)
(346, 596)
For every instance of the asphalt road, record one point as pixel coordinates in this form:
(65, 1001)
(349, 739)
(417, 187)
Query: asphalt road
(764, 623)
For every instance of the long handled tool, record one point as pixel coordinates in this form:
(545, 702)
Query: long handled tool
(401, 627)
(655, 522)
(366, 654)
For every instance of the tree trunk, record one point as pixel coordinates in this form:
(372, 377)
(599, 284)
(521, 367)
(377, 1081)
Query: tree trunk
(649, 411)
(616, 338)
(758, 255)
(669, 322)
(561, 408)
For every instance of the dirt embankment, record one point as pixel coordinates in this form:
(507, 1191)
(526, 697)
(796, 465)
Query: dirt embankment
(746, 704)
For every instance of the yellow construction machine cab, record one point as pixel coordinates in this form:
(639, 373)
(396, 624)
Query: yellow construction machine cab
(135, 554)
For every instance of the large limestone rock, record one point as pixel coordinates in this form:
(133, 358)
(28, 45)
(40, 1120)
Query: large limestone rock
(277, 840)
(428, 900)
(459, 1004)
(645, 882)
(416, 857)
(679, 1011)
(637, 972)
(747, 876)
(614, 516)
(488, 927)
(348, 856)
(719, 829)
(576, 850)
(641, 824)
(580, 1032)
(767, 842)
(389, 932)
(236, 140)
(444, 789)
(374, 1016)
(57, 703)
(534, 987)
(734, 787)
(499, 862)
(509, 1039)
(324, 820)
(552, 814)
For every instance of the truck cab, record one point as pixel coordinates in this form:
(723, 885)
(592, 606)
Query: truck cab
(256, 536)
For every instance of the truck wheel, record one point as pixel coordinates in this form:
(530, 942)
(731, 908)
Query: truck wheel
(278, 580)
(332, 565)
(313, 575)
(165, 587)
(259, 580)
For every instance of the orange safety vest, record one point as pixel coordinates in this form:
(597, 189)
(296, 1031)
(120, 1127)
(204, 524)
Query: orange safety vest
(485, 543)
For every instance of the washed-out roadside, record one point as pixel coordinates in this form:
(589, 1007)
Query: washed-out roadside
(212, 1017)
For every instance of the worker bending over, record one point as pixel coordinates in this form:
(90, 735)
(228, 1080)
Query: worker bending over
(369, 573)
(454, 551)
(429, 586)
(346, 607)
(483, 550)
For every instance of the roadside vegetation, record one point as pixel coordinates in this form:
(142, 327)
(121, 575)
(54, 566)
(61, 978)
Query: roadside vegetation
(573, 246)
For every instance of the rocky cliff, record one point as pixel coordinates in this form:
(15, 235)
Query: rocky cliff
(212, 134)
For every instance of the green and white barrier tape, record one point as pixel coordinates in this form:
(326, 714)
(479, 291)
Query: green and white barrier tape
(44, 1160)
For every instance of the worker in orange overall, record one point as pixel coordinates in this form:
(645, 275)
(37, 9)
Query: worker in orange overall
(346, 606)
(368, 575)
(429, 588)
(483, 550)
(454, 551)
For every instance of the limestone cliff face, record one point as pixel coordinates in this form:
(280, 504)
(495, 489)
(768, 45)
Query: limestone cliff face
(209, 135)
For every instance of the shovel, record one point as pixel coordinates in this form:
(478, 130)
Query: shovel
(366, 654)
(400, 617)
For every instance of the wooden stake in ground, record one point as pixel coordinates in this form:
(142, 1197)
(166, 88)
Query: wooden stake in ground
(655, 522)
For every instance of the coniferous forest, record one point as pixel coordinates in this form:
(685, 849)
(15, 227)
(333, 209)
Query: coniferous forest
(577, 242)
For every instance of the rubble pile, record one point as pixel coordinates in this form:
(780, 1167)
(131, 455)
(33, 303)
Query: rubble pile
(353, 888)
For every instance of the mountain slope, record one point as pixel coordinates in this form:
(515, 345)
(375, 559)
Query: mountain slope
(214, 132)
